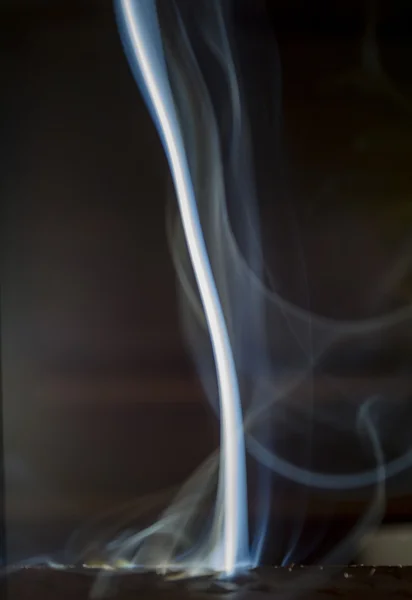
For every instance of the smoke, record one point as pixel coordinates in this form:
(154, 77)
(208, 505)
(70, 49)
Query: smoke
(255, 352)
(289, 424)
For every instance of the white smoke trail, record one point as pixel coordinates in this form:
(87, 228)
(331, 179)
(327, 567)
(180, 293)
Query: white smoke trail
(255, 351)
(263, 348)
(207, 172)
(141, 37)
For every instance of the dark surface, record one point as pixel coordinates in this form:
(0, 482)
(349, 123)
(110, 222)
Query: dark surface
(304, 582)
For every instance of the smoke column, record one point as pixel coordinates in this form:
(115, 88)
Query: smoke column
(145, 51)
(255, 352)
(289, 425)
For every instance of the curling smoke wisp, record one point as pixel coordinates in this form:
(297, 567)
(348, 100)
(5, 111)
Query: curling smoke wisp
(314, 407)
(255, 352)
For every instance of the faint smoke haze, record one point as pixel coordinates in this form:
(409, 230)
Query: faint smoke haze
(214, 89)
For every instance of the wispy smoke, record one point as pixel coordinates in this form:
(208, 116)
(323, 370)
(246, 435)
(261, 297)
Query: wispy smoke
(255, 352)
(290, 427)
(228, 541)
(287, 427)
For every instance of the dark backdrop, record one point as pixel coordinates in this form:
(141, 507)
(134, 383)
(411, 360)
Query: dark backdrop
(100, 400)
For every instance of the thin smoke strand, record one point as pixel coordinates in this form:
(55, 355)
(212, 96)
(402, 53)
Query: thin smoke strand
(140, 33)
(241, 304)
(370, 519)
